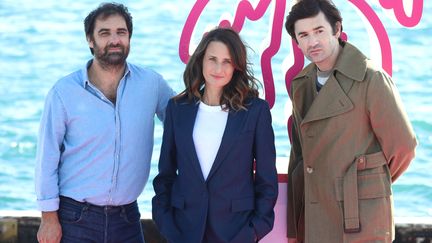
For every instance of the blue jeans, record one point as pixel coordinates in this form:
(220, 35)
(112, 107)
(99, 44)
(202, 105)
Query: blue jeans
(84, 222)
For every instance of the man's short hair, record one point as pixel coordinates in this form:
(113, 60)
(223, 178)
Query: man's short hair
(105, 10)
(310, 8)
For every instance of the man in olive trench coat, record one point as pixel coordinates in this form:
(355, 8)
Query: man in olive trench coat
(351, 137)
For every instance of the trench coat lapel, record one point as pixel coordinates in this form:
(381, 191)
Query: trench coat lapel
(232, 129)
(330, 101)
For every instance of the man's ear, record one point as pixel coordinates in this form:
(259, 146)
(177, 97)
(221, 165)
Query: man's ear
(90, 41)
(338, 27)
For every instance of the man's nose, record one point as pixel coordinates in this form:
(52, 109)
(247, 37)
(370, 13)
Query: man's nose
(313, 40)
(115, 39)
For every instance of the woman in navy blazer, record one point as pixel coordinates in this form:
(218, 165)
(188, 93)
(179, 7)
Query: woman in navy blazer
(217, 178)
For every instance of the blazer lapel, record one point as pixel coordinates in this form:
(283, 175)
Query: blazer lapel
(330, 101)
(232, 129)
(188, 115)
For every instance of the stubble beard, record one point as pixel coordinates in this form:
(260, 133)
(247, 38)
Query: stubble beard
(111, 60)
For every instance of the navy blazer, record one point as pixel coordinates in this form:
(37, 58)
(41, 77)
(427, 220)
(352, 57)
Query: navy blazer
(233, 204)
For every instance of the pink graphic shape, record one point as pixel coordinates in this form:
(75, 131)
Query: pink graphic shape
(188, 28)
(244, 10)
(380, 31)
(400, 13)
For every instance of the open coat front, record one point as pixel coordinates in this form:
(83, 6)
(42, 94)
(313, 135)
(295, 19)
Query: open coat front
(350, 141)
(233, 203)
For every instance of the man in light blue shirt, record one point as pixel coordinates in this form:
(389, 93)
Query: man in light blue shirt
(96, 139)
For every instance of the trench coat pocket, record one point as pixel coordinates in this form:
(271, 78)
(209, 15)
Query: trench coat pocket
(243, 204)
(369, 186)
(366, 178)
(372, 179)
(177, 202)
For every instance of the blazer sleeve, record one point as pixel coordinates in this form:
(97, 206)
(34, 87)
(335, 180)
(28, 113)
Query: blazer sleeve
(390, 123)
(266, 183)
(163, 182)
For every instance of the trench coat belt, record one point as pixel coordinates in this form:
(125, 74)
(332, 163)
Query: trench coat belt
(350, 189)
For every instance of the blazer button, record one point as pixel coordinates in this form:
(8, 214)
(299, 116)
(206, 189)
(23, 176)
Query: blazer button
(309, 169)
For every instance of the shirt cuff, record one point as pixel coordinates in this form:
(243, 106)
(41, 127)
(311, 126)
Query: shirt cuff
(48, 205)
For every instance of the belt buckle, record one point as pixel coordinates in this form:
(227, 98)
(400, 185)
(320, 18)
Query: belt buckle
(353, 230)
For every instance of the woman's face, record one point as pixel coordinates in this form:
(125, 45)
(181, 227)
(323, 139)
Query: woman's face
(218, 66)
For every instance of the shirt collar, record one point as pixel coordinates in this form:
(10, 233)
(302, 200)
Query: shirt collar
(84, 73)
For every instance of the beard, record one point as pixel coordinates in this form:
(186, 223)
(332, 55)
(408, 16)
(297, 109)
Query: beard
(111, 59)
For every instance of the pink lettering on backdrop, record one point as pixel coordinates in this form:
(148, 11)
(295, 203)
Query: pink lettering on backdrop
(380, 31)
(400, 13)
(245, 10)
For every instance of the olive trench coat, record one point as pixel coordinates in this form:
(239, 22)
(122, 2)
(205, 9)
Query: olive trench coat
(350, 141)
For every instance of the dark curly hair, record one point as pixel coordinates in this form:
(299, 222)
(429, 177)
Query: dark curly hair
(104, 11)
(243, 84)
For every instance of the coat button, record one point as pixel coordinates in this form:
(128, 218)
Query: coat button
(309, 169)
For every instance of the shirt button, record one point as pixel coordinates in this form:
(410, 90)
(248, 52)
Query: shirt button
(309, 169)
(361, 160)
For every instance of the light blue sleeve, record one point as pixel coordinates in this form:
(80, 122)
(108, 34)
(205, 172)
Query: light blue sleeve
(51, 134)
(165, 92)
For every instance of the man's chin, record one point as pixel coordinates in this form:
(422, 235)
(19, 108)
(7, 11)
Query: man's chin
(114, 60)
(314, 59)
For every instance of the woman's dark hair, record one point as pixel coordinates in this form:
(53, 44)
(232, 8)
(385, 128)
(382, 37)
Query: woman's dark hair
(310, 8)
(104, 11)
(243, 84)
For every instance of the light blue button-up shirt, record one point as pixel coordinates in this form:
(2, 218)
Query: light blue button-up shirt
(92, 150)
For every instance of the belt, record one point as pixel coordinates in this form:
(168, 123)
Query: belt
(98, 208)
(350, 189)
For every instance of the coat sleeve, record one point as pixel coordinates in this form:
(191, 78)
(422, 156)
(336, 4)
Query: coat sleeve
(390, 123)
(163, 182)
(266, 184)
(295, 187)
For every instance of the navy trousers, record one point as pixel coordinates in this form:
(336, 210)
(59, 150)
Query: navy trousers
(84, 222)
